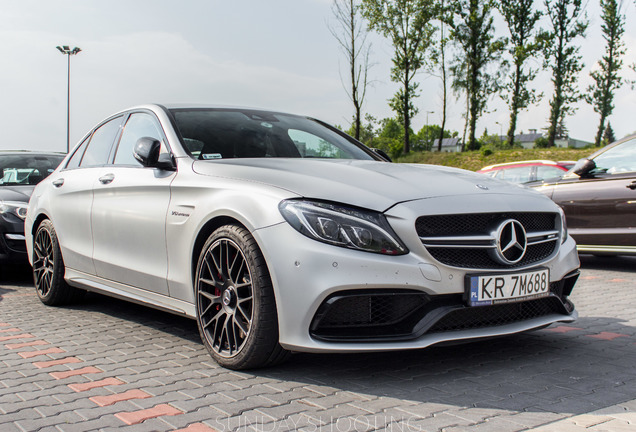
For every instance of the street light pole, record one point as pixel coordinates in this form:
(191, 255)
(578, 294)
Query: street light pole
(427, 113)
(68, 52)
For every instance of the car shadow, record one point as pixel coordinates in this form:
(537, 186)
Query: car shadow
(562, 369)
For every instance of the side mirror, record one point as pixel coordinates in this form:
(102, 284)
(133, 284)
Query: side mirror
(583, 167)
(382, 154)
(147, 152)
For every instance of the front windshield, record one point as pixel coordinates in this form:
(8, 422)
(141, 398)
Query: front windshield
(26, 169)
(211, 134)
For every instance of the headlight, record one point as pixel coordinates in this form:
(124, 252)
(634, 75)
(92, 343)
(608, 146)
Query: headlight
(343, 226)
(18, 209)
(564, 226)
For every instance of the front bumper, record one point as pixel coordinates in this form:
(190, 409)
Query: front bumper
(307, 275)
(12, 241)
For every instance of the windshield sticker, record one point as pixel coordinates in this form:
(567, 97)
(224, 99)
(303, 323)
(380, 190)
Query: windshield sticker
(208, 156)
(267, 125)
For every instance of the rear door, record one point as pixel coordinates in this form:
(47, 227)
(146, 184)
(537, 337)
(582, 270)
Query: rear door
(72, 196)
(129, 213)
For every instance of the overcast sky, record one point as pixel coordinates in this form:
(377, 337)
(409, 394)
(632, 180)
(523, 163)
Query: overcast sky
(276, 54)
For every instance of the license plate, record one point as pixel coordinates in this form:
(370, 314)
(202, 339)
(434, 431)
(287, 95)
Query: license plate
(505, 288)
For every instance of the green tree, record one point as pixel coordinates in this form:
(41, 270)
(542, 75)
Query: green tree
(472, 30)
(522, 19)
(408, 24)
(352, 37)
(567, 22)
(606, 79)
(608, 135)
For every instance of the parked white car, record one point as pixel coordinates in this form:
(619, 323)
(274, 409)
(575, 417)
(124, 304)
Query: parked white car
(279, 233)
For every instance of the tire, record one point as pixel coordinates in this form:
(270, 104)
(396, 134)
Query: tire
(48, 269)
(236, 310)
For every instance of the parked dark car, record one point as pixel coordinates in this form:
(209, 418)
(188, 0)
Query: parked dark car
(599, 199)
(20, 171)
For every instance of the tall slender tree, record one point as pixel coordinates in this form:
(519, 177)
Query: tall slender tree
(438, 59)
(606, 78)
(473, 31)
(351, 34)
(408, 24)
(521, 18)
(567, 21)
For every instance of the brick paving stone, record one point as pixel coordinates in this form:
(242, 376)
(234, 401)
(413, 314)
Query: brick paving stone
(37, 353)
(197, 427)
(135, 417)
(118, 397)
(62, 361)
(70, 373)
(26, 344)
(16, 337)
(81, 387)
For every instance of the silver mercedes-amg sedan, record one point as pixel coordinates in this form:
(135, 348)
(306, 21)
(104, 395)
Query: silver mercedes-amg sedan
(279, 233)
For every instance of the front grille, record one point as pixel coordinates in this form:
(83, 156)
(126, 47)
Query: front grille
(480, 223)
(399, 315)
(480, 259)
(468, 318)
(478, 254)
(364, 309)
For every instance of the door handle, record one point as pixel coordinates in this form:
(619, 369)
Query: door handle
(631, 186)
(58, 182)
(107, 178)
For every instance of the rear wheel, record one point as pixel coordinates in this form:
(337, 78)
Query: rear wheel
(48, 268)
(236, 311)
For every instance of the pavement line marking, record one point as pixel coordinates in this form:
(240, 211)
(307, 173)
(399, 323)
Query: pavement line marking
(29, 354)
(197, 427)
(136, 417)
(20, 336)
(3, 324)
(65, 360)
(26, 344)
(607, 336)
(119, 397)
(75, 372)
(10, 330)
(95, 384)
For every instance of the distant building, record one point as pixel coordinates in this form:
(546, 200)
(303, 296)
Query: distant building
(525, 139)
(449, 145)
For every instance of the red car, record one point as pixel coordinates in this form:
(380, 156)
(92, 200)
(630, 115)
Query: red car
(527, 171)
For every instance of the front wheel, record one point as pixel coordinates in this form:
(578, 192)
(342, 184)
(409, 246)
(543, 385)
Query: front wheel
(236, 311)
(48, 268)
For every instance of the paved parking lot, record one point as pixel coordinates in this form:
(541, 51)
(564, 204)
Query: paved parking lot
(109, 365)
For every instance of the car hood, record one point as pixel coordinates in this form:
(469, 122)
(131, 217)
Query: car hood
(369, 184)
(16, 193)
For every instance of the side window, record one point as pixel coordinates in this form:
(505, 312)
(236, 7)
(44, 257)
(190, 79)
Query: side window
(74, 161)
(139, 125)
(545, 172)
(101, 142)
(621, 158)
(517, 175)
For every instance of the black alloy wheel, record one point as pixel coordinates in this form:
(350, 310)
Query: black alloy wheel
(236, 312)
(48, 268)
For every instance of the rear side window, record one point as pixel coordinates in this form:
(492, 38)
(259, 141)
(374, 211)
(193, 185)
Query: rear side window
(100, 144)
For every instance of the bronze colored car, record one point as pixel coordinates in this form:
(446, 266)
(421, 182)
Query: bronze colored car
(598, 196)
